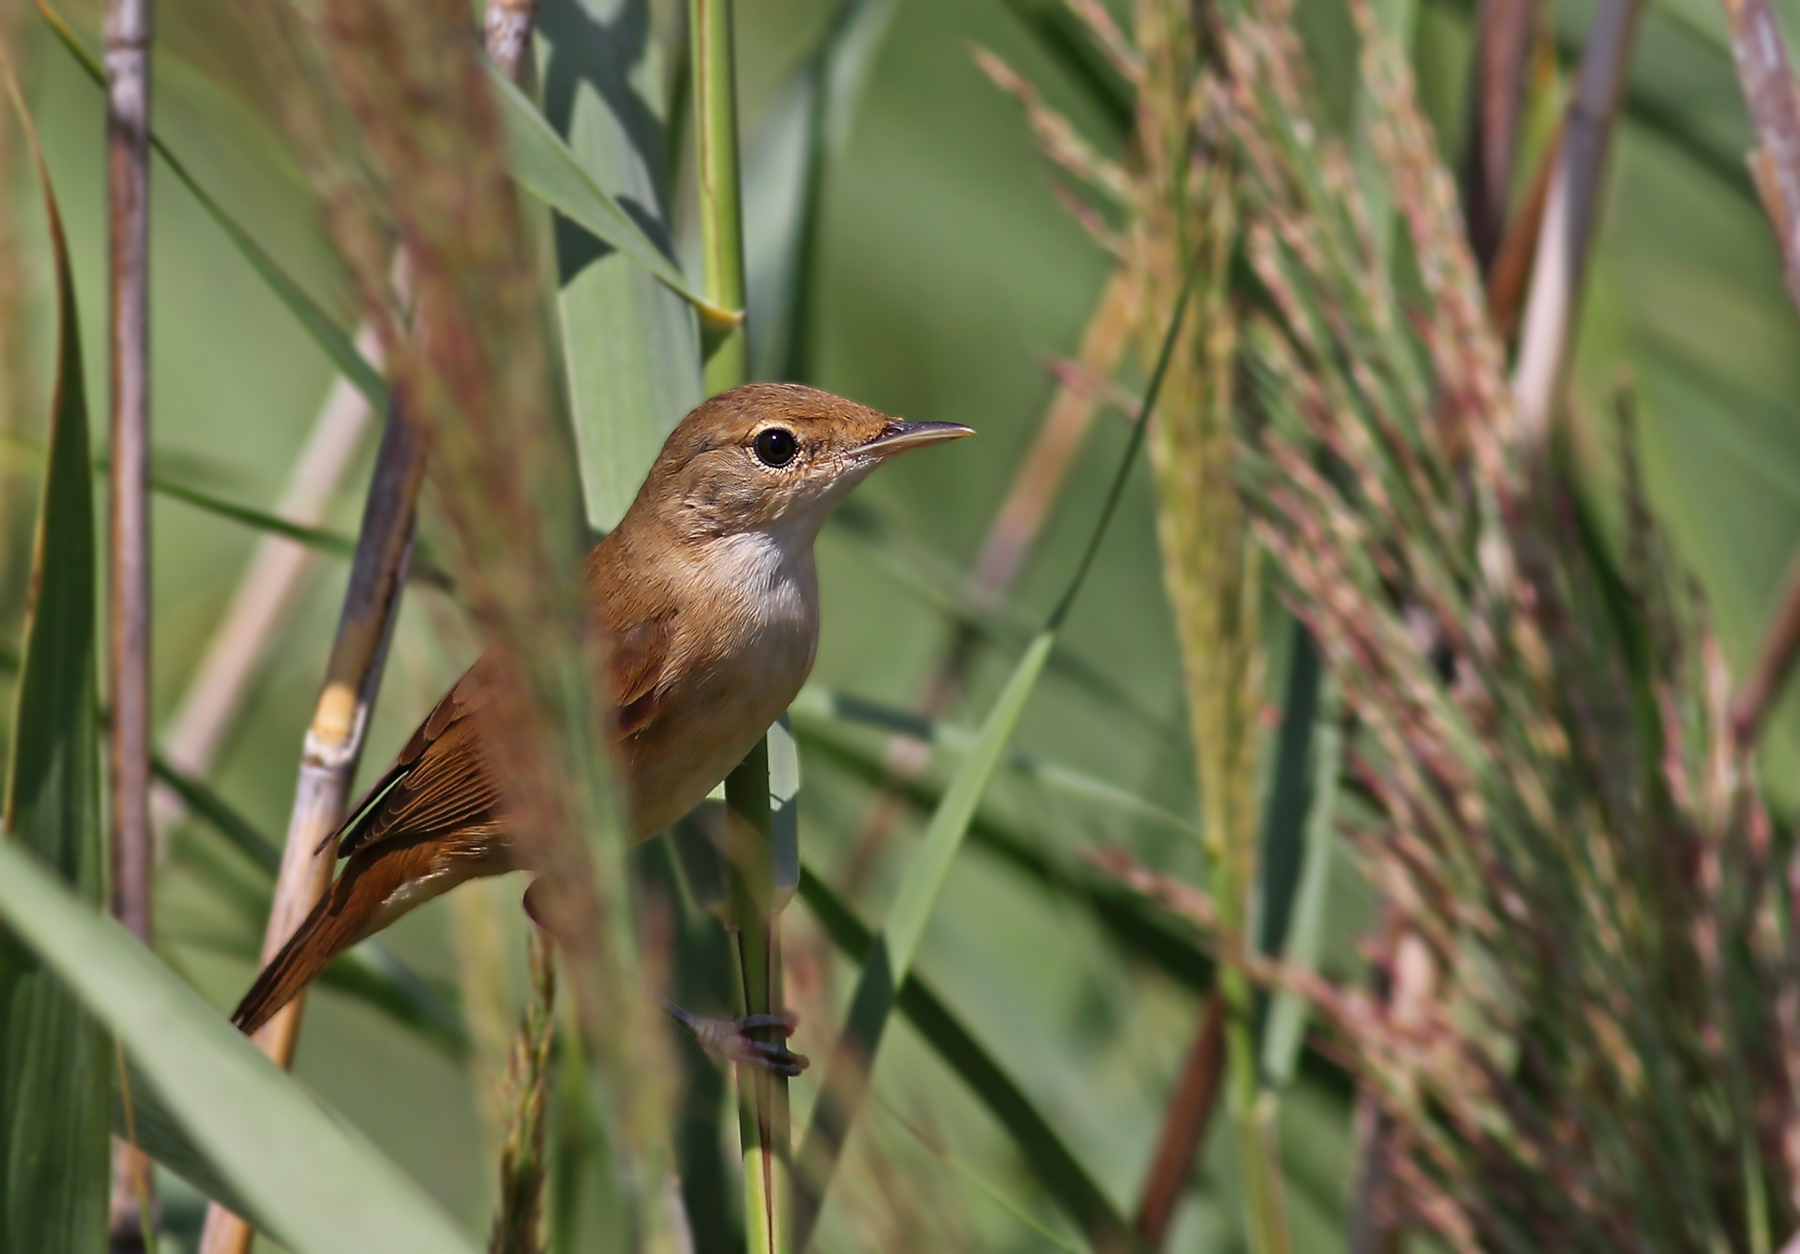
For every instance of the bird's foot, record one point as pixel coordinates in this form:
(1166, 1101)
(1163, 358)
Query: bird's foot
(732, 1039)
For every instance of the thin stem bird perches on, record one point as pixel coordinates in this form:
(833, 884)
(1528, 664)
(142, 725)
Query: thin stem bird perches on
(334, 740)
(128, 554)
(755, 903)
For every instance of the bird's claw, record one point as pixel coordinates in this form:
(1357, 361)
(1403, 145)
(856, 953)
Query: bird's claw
(733, 1039)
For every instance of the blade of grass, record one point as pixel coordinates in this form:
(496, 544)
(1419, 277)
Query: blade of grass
(1149, 936)
(1065, 37)
(324, 330)
(1284, 1031)
(320, 1187)
(1068, 1183)
(852, 1060)
(630, 346)
(544, 166)
(370, 972)
(825, 715)
(55, 1060)
(1571, 216)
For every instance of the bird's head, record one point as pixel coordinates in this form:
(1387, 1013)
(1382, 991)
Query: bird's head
(773, 457)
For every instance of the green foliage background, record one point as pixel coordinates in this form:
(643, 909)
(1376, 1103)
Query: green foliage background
(947, 277)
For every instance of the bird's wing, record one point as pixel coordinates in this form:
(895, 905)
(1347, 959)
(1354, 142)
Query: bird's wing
(635, 667)
(440, 782)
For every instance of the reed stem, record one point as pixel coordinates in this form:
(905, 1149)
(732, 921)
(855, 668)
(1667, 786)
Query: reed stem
(755, 909)
(334, 741)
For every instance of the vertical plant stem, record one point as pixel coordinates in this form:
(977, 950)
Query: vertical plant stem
(506, 33)
(762, 1096)
(128, 566)
(518, 1221)
(1184, 1126)
(721, 210)
(1767, 76)
(1570, 216)
(1211, 564)
(334, 741)
(1503, 30)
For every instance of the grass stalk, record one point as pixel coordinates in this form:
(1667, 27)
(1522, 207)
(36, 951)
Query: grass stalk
(1571, 216)
(714, 71)
(518, 1221)
(55, 1078)
(750, 865)
(1184, 1126)
(1497, 72)
(334, 741)
(128, 25)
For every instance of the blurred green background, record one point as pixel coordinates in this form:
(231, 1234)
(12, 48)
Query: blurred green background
(948, 278)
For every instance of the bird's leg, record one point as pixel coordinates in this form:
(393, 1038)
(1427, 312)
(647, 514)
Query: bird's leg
(731, 1039)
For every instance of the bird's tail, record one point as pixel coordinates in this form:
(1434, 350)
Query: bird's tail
(348, 911)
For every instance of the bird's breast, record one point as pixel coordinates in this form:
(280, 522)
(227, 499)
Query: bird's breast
(744, 644)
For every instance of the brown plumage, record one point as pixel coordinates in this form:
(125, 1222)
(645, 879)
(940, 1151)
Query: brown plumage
(707, 593)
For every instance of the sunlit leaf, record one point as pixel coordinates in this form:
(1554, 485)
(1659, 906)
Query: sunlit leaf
(318, 1186)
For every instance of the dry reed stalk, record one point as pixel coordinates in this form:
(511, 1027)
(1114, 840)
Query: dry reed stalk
(334, 741)
(1184, 1127)
(1571, 216)
(428, 169)
(127, 31)
(266, 592)
(506, 28)
(1503, 35)
(1766, 73)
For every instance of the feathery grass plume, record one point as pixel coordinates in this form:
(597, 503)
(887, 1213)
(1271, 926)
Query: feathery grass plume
(392, 108)
(1605, 1057)
(518, 1221)
(1177, 194)
(1212, 568)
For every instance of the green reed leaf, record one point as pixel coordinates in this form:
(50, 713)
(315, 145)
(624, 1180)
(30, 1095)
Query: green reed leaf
(55, 1061)
(317, 1186)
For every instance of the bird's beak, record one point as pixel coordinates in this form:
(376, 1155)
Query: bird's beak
(898, 437)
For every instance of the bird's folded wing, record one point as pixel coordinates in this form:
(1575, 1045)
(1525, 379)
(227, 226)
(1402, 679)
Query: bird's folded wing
(636, 664)
(440, 782)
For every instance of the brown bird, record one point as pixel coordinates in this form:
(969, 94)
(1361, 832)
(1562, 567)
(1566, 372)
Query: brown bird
(708, 595)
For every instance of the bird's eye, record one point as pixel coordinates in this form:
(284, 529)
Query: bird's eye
(776, 446)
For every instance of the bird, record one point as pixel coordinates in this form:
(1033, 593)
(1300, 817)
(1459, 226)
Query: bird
(707, 595)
